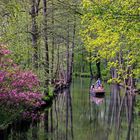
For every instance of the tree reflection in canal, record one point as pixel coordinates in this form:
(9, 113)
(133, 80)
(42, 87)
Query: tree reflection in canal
(77, 115)
(121, 114)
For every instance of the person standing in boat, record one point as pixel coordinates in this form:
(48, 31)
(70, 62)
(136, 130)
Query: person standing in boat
(98, 83)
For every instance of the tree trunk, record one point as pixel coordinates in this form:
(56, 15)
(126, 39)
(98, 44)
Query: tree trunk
(46, 46)
(53, 43)
(58, 63)
(72, 52)
(98, 69)
(34, 33)
(34, 130)
(82, 63)
(68, 55)
(46, 123)
(90, 67)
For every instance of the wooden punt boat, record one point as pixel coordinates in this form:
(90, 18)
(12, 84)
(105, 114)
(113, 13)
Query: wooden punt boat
(97, 90)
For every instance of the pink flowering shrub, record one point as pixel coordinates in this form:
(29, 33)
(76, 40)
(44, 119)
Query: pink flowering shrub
(17, 87)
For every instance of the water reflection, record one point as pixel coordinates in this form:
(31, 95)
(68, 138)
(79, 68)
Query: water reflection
(121, 114)
(78, 115)
(59, 119)
(96, 100)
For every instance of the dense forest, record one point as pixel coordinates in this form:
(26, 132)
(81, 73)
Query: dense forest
(42, 36)
(111, 32)
(50, 37)
(44, 44)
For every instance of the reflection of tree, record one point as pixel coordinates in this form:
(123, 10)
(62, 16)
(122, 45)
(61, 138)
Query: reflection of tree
(68, 110)
(97, 114)
(113, 119)
(18, 130)
(56, 117)
(46, 123)
(60, 117)
(131, 101)
(91, 80)
(113, 105)
(34, 131)
(120, 113)
(69, 116)
(51, 121)
(3, 134)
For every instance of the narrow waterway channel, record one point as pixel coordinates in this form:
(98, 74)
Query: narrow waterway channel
(77, 115)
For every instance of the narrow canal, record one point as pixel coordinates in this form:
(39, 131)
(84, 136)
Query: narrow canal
(77, 115)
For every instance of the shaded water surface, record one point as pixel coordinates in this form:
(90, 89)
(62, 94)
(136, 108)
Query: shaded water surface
(78, 115)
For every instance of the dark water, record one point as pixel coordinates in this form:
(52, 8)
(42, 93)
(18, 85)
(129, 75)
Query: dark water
(77, 115)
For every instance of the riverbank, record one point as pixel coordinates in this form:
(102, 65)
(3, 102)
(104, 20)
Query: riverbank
(20, 91)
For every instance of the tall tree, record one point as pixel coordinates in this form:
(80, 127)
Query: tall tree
(111, 29)
(46, 45)
(34, 31)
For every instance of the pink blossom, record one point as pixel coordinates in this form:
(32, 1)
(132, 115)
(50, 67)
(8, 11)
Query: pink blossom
(18, 87)
(5, 52)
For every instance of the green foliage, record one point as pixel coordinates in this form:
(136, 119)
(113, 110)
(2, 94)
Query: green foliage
(51, 91)
(111, 30)
(50, 95)
(137, 106)
(14, 31)
(105, 74)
